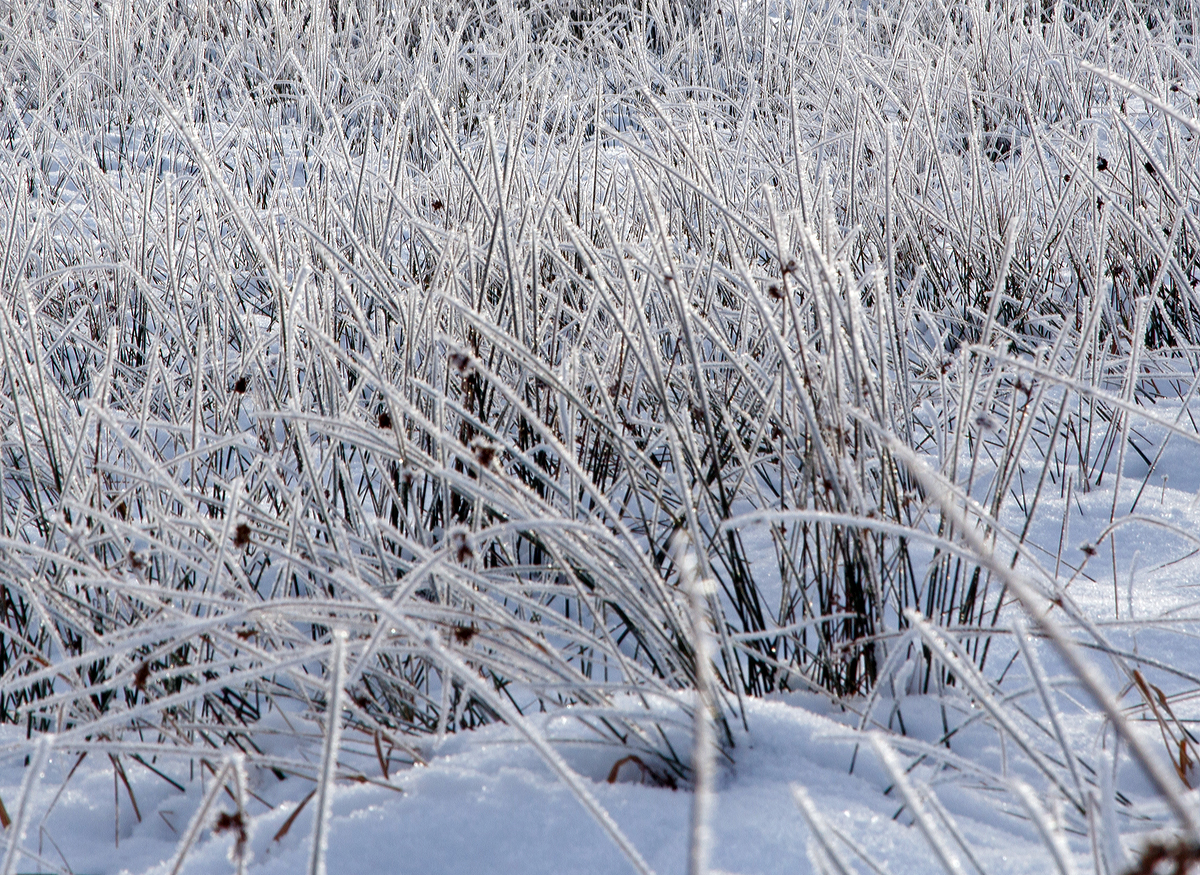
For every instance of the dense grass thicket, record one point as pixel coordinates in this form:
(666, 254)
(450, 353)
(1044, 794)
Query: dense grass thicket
(371, 371)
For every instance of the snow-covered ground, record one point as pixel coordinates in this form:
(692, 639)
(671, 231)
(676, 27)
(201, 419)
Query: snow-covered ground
(484, 800)
(486, 803)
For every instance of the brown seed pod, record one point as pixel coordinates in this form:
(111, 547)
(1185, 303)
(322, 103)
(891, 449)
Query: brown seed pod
(241, 385)
(485, 452)
(460, 544)
(1176, 857)
(236, 824)
(241, 536)
(985, 423)
(385, 419)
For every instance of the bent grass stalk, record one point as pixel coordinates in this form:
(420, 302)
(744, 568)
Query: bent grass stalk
(329, 755)
(16, 830)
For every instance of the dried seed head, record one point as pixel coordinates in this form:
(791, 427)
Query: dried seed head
(485, 452)
(464, 634)
(985, 423)
(385, 419)
(1102, 163)
(460, 545)
(241, 536)
(460, 361)
(227, 822)
(1174, 857)
(775, 292)
(136, 562)
(236, 824)
(1088, 549)
(121, 511)
(437, 204)
(241, 385)
(141, 676)
(1150, 169)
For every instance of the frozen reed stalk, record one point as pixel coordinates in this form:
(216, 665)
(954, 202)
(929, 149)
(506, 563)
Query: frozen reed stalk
(819, 831)
(1050, 833)
(333, 734)
(916, 806)
(200, 817)
(240, 851)
(703, 761)
(1113, 848)
(1034, 664)
(1164, 780)
(16, 830)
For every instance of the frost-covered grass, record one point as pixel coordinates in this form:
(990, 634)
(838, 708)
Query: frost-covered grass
(371, 372)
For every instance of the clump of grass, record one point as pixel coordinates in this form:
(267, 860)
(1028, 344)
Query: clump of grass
(438, 326)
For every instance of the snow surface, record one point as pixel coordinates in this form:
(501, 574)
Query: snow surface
(485, 803)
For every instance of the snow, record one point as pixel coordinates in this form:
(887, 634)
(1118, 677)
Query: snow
(486, 804)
